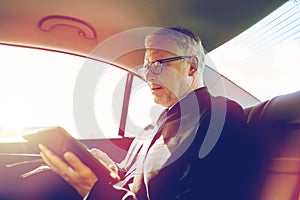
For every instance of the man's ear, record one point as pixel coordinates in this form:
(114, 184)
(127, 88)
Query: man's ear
(193, 61)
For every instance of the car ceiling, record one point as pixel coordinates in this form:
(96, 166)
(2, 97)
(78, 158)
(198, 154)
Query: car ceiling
(215, 22)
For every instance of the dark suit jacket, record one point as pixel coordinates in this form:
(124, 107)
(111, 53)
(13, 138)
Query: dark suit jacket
(204, 151)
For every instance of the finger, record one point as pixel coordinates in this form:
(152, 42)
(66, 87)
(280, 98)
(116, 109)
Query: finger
(99, 155)
(47, 155)
(82, 173)
(74, 161)
(93, 150)
(54, 161)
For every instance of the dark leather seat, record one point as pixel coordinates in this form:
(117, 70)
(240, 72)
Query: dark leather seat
(277, 121)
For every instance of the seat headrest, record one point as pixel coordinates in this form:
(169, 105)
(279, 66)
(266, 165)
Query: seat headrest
(284, 109)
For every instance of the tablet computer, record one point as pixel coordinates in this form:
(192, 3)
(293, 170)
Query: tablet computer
(59, 141)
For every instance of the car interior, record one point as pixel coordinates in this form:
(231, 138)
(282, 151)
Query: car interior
(110, 34)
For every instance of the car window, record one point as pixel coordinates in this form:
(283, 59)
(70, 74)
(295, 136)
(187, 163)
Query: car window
(264, 59)
(37, 90)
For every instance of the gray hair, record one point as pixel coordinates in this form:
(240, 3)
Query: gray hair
(187, 42)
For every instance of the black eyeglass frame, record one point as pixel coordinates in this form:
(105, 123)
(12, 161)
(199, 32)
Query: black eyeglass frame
(151, 67)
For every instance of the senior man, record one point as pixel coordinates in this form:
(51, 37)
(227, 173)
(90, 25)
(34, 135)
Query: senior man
(163, 162)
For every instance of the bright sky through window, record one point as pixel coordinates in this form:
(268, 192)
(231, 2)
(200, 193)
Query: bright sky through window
(265, 59)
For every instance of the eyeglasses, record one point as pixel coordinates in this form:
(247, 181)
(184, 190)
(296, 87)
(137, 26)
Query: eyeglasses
(156, 67)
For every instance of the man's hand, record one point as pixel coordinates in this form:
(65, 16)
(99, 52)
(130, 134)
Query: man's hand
(100, 155)
(77, 174)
